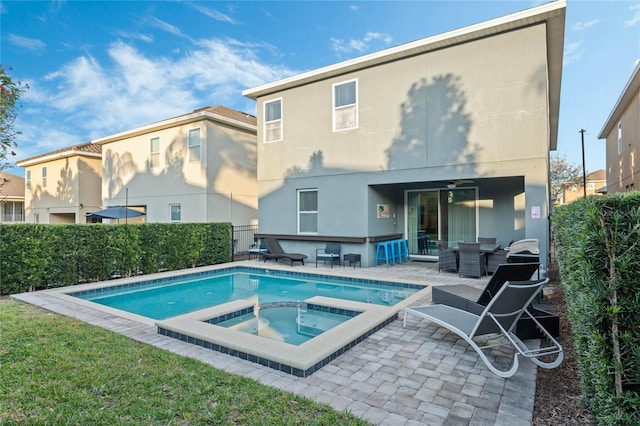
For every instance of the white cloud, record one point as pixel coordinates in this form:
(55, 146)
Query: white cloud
(635, 10)
(361, 45)
(88, 98)
(166, 27)
(214, 14)
(572, 52)
(31, 44)
(581, 26)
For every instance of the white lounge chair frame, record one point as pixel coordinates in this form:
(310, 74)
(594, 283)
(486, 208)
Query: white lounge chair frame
(499, 317)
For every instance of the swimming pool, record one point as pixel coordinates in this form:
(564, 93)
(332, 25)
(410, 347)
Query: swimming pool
(377, 304)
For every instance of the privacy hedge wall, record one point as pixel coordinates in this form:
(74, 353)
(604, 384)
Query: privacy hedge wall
(36, 257)
(598, 250)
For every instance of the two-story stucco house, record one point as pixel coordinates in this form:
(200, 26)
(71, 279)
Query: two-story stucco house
(447, 136)
(622, 135)
(596, 184)
(11, 198)
(196, 167)
(63, 185)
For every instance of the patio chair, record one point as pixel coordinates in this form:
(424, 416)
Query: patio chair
(496, 259)
(499, 317)
(276, 253)
(472, 262)
(475, 300)
(447, 260)
(258, 250)
(330, 253)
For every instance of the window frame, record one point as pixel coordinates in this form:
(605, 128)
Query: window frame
(191, 147)
(300, 212)
(44, 176)
(278, 120)
(336, 108)
(620, 138)
(179, 211)
(154, 154)
(28, 179)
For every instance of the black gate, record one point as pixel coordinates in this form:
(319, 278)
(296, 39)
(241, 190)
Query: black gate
(243, 237)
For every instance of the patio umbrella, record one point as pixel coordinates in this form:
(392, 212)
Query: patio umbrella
(117, 212)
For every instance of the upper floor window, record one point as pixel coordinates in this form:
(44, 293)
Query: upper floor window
(308, 211)
(44, 177)
(175, 212)
(154, 152)
(620, 138)
(345, 105)
(28, 179)
(194, 145)
(273, 121)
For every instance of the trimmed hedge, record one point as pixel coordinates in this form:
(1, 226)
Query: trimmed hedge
(598, 249)
(36, 257)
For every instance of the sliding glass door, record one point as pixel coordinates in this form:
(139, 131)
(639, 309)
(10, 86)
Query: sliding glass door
(447, 214)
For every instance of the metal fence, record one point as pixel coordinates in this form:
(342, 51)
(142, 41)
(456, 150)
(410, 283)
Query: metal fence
(243, 238)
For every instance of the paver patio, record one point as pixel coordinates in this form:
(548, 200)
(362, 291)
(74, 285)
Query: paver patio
(418, 375)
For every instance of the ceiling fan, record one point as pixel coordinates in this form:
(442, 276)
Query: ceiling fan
(455, 183)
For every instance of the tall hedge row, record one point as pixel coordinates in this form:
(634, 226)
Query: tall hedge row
(598, 249)
(36, 257)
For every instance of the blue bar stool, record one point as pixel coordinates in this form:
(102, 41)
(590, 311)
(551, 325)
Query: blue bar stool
(397, 250)
(384, 252)
(404, 250)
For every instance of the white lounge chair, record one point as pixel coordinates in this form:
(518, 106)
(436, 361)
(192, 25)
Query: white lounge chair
(499, 317)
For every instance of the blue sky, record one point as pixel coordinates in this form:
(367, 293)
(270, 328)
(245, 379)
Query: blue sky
(96, 68)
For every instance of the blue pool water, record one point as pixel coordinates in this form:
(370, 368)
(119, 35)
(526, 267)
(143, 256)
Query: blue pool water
(290, 324)
(168, 298)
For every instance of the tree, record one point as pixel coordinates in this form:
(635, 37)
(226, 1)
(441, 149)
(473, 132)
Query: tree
(563, 174)
(10, 92)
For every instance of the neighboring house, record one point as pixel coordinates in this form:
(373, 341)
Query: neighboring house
(11, 198)
(622, 134)
(197, 167)
(596, 184)
(63, 185)
(447, 136)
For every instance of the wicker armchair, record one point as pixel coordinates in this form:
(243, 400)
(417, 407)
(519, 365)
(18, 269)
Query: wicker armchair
(495, 259)
(472, 262)
(447, 260)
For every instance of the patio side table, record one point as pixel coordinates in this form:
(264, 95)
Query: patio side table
(352, 258)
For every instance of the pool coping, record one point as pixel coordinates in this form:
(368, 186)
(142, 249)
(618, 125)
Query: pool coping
(299, 360)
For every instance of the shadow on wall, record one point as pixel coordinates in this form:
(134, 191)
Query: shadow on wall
(433, 133)
(171, 183)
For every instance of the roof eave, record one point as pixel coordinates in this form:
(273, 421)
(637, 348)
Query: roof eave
(630, 89)
(550, 12)
(173, 122)
(57, 156)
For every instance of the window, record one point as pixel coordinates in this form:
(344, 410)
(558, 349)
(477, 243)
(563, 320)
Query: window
(273, 121)
(345, 106)
(154, 152)
(194, 145)
(175, 212)
(308, 211)
(44, 177)
(620, 138)
(591, 185)
(28, 179)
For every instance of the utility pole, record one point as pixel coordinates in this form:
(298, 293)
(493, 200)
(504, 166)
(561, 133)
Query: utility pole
(584, 173)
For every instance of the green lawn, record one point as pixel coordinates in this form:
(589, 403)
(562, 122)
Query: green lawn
(57, 370)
